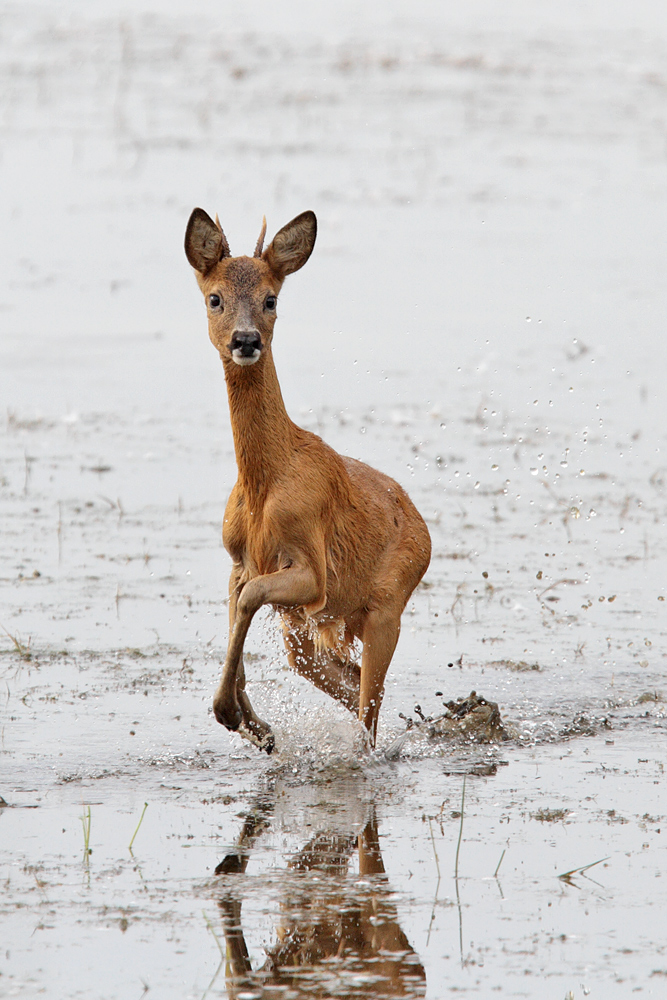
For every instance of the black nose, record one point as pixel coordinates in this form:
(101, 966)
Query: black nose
(246, 342)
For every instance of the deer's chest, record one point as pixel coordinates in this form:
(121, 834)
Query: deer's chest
(249, 536)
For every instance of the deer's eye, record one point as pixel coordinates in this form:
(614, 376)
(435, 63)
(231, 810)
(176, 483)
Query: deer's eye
(215, 302)
(270, 302)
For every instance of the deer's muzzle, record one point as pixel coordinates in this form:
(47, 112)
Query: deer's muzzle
(245, 346)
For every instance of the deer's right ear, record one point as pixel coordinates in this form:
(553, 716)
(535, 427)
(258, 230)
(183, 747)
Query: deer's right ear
(205, 242)
(292, 246)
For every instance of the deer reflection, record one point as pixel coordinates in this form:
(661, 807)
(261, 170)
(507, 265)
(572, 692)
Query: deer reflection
(338, 932)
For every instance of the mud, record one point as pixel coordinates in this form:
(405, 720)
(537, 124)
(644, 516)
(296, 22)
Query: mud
(482, 319)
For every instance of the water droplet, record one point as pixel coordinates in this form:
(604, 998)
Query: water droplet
(592, 513)
(582, 472)
(575, 512)
(564, 464)
(527, 319)
(534, 472)
(494, 468)
(477, 485)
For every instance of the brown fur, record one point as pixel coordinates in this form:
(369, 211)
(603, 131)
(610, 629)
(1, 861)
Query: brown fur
(334, 545)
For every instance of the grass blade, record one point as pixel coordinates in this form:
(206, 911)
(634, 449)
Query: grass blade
(458, 846)
(141, 819)
(580, 871)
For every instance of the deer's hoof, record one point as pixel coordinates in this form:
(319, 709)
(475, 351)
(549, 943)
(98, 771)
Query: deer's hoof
(260, 734)
(229, 716)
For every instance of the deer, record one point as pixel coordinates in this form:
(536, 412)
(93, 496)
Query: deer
(334, 546)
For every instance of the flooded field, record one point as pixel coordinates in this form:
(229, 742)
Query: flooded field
(483, 319)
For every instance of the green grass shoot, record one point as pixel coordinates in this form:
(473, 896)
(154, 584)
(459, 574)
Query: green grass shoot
(141, 819)
(86, 820)
(580, 871)
(223, 955)
(22, 648)
(458, 845)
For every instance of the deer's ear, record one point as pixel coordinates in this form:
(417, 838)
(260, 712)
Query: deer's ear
(292, 246)
(205, 242)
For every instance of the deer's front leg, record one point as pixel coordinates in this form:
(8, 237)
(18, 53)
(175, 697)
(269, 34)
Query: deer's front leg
(252, 726)
(289, 588)
(227, 713)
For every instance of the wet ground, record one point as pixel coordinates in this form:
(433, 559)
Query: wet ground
(483, 319)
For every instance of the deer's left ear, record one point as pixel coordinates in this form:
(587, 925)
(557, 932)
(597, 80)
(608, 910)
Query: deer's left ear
(292, 246)
(205, 242)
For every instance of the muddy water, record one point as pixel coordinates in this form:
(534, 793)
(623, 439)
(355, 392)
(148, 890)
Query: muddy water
(483, 319)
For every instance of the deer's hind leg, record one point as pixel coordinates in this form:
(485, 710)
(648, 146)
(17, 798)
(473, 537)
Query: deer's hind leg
(382, 628)
(325, 668)
(404, 567)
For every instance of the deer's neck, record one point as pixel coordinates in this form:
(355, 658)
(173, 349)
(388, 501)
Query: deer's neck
(264, 435)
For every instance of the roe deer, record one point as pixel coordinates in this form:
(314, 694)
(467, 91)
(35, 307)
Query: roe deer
(336, 547)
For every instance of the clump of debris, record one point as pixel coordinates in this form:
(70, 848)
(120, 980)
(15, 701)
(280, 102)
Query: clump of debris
(473, 719)
(581, 725)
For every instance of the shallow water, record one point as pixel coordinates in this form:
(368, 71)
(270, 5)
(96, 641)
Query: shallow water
(482, 318)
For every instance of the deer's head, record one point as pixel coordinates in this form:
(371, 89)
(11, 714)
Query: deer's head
(241, 293)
